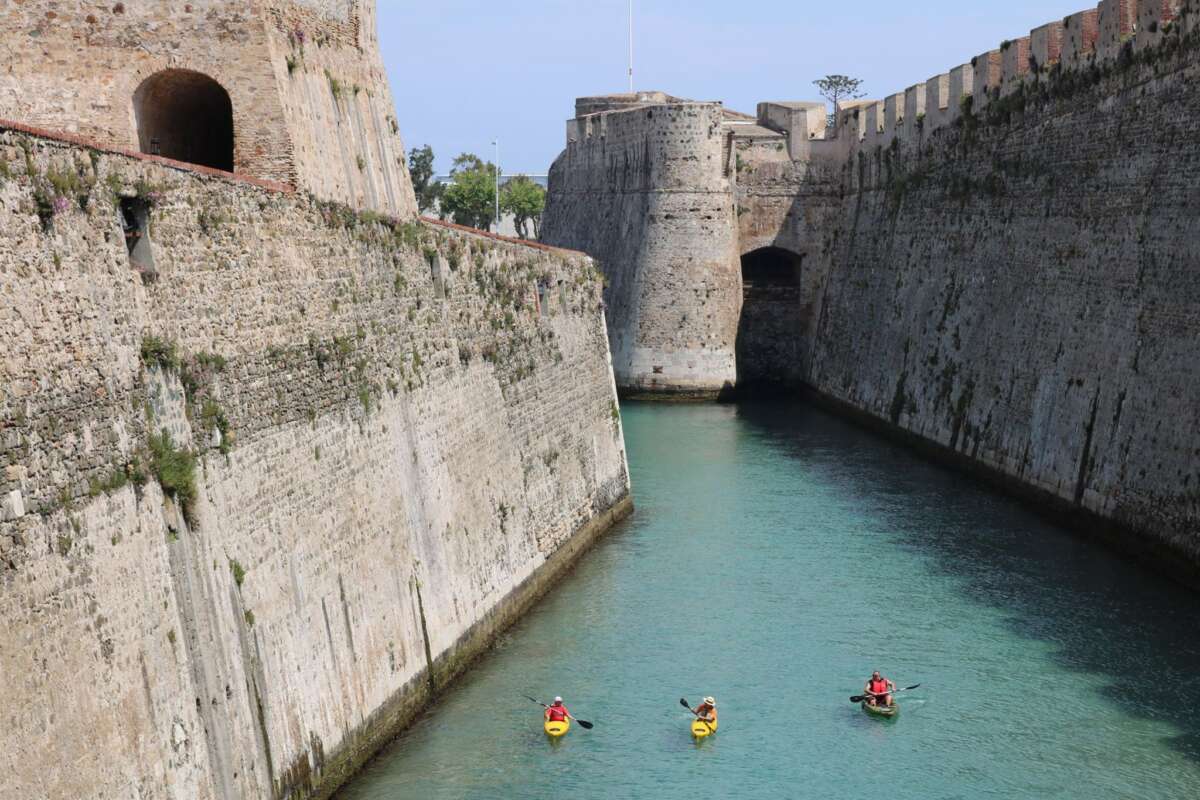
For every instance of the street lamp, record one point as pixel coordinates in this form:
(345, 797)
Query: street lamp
(496, 143)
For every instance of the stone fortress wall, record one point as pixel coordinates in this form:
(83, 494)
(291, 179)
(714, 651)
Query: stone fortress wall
(1082, 41)
(998, 264)
(384, 439)
(288, 91)
(651, 184)
(1017, 284)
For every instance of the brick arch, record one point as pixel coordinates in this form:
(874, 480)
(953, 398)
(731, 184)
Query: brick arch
(185, 115)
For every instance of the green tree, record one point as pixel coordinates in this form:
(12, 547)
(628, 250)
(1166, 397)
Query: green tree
(525, 200)
(420, 167)
(470, 199)
(836, 88)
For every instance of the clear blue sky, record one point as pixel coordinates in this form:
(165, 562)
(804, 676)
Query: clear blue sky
(466, 71)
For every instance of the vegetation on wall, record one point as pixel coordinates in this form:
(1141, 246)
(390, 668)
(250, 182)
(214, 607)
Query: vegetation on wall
(175, 470)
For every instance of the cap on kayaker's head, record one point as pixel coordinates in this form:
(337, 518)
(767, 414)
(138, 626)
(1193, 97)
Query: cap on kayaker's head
(558, 701)
(710, 701)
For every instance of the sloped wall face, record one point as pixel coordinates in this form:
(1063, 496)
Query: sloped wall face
(310, 101)
(346, 141)
(400, 433)
(1024, 293)
(648, 193)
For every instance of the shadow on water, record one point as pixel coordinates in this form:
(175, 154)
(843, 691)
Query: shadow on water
(1102, 616)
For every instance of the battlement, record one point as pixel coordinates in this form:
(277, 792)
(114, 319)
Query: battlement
(292, 91)
(594, 115)
(1089, 38)
(585, 106)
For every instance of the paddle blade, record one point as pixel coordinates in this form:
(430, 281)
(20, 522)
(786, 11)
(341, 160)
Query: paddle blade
(583, 723)
(910, 688)
(530, 699)
(685, 704)
(857, 698)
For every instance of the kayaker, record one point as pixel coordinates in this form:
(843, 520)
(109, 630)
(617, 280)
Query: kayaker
(557, 712)
(879, 690)
(707, 710)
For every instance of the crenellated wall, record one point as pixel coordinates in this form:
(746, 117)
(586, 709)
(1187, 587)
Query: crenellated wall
(997, 263)
(309, 97)
(1088, 40)
(1020, 293)
(386, 439)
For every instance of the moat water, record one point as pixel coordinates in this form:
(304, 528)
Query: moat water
(776, 556)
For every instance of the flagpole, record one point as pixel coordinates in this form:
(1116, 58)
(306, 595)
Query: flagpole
(631, 46)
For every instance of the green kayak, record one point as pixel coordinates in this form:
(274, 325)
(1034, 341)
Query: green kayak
(881, 711)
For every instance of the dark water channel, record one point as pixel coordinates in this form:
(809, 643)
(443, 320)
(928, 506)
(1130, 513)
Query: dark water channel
(777, 555)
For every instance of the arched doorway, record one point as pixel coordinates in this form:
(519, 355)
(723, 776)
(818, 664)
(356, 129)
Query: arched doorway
(186, 116)
(769, 330)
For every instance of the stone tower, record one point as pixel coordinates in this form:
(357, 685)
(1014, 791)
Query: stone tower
(286, 90)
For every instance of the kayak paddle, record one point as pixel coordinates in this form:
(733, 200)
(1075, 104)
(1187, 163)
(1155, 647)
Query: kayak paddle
(683, 702)
(858, 698)
(583, 723)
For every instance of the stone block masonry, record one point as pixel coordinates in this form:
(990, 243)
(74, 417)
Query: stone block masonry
(650, 188)
(385, 439)
(998, 264)
(1081, 33)
(284, 90)
(1021, 293)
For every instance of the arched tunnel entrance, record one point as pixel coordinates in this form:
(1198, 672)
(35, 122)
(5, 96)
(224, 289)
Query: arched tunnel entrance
(769, 330)
(186, 116)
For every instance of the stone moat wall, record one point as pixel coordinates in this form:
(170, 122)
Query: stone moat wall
(998, 263)
(382, 440)
(1023, 289)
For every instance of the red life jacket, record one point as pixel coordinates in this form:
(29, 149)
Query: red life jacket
(558, 713)
(878, 686)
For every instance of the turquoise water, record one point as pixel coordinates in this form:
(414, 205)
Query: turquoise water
(776, 556)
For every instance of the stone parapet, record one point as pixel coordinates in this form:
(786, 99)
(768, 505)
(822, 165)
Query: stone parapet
(1081, 32)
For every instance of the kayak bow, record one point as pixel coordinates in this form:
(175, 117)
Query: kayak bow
(880, 711)
(555, 729)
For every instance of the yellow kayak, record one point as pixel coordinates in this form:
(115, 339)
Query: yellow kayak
(701, 729)
(557, 729)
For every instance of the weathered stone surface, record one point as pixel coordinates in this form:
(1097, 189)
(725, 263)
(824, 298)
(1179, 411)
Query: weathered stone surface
(1011, 282)
(403, 432)
(651, 188)
(310, 99)
(1024, 293)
